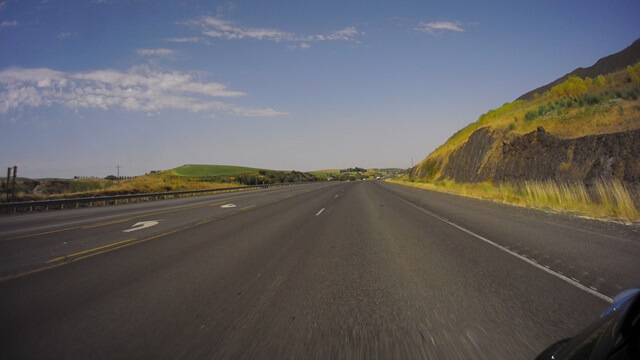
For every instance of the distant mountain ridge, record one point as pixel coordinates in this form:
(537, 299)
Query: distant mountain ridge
(605, 65)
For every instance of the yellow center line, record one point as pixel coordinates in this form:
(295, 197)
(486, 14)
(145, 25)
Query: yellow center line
(123, 245)
(54, 263)
(204, 221)
(107, 223)
(89, 250)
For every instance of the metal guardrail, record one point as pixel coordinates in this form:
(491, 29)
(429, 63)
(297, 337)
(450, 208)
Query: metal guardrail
(104, 200)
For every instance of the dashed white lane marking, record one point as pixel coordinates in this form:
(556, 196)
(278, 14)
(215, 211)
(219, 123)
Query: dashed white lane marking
(320, 212)
(549, 271)
(336, 195)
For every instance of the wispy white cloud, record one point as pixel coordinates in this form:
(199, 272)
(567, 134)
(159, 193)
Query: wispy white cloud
(155, 52)
(63, 35)
(216, 27)
(183, 39)
(141, 89)
(439, 27)
(8, 24)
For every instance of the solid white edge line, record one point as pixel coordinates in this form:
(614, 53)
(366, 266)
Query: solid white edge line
(320, 212)
(547, 270)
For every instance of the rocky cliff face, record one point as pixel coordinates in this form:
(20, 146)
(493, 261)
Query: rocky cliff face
(466, 163)
(541, 156)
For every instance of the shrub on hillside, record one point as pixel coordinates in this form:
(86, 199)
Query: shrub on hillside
(572, 87)
(634, 73)
(530, 115)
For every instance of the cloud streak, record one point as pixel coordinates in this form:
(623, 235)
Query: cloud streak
(8, 24)
(216, 27)
(141, 89)
(183, 39)
(439, 27)
(155, 52)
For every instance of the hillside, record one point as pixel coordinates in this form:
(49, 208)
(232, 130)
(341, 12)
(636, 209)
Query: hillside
(195, 170)
(240, 174)
(356, 173)
(573, 109)
(582, 135)
(186, 177)
(606, 65)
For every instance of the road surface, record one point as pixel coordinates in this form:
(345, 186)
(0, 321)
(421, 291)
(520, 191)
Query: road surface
(332, 270)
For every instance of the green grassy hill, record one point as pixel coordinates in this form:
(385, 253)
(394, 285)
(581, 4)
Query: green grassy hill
(194, 170)
(239, 174)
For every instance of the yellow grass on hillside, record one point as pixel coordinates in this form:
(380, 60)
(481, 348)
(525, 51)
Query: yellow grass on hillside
(609, 199)
(161, 182)
(575, 108)
(151, 183)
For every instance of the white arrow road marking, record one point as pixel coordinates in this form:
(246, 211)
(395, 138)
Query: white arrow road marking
(142, 225)
(320, 212)
(226, 206)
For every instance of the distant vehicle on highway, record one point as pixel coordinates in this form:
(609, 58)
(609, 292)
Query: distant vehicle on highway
(615, 336)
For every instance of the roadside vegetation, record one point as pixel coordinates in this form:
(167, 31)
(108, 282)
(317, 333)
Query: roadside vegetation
(574, 108)
(241, 175)
(355, 173)
(604, 199)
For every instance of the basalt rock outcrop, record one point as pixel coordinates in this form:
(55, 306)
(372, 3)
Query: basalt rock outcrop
(540, 156)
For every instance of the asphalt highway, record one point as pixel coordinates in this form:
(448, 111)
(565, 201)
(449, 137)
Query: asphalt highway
(331, 270)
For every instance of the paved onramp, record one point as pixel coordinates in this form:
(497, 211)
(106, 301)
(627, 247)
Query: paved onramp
(353, 270)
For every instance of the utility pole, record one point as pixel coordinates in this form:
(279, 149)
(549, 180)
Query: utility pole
(8, 182)
(412, 162)
(15, 173)
(118, 177)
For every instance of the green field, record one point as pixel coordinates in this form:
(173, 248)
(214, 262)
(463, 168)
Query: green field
(348, 175)
(194, 170)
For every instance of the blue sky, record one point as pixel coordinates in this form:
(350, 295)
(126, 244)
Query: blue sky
(304, 85)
